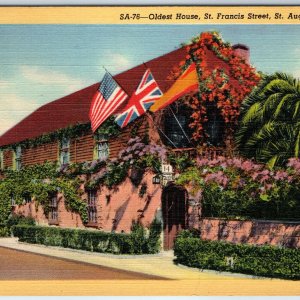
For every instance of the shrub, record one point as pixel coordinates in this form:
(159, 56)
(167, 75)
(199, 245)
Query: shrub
(154, 237)
(242, 258)
(235, 188)
(20, 220)
(91, 240)
(4, 231)
(5, 228)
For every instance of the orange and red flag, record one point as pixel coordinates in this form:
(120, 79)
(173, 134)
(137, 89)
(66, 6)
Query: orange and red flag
(187, 82)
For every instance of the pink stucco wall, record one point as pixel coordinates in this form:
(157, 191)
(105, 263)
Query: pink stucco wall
(252, 232)
(120, 206)
(65, 218)
(116, 208)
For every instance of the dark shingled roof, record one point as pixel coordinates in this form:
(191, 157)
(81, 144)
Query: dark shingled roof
(74, 108)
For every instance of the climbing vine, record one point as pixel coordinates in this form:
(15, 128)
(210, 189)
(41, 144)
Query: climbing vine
(108, 129)
(71, 131)
(138, 154)
(224, 87)
(39, 181)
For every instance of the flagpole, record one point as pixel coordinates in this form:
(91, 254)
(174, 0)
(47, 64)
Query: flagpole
(145, 65)
(180, 125)
(154, 121)
(161, 130)
(114, 79)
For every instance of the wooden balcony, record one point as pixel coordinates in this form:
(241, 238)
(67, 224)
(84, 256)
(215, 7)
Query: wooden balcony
(204, 152)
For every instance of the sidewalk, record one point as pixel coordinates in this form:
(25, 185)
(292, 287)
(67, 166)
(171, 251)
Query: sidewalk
(184, 281)
(158, 264)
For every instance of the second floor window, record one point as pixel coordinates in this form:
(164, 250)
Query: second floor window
(18, 158)
(64, 151)
(53, 209)
(1, 160)
(102, 150)
(177, 132)
(92, 206)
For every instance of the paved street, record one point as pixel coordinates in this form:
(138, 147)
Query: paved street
(20, 265)
(86, 268)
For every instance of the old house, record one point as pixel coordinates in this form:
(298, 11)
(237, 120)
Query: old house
(35, 140)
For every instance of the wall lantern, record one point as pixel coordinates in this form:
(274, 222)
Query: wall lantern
(156, 179)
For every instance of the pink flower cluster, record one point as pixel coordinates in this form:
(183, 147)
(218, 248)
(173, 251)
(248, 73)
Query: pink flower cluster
(136, 150)
(238, 172)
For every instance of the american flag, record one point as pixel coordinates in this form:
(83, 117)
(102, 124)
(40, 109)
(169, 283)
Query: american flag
(107, 99)
(141, 100)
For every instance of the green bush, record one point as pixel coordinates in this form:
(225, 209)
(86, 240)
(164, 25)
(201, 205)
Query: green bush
(153, 244)
(20, 220)
(5, 228)
(267, 261)
(4, 231)
(90, 240)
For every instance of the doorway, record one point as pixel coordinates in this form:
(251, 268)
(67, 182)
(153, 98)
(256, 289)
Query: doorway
(174, 208)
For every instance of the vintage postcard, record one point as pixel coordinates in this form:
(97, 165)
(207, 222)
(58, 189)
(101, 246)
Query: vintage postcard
(150, 151)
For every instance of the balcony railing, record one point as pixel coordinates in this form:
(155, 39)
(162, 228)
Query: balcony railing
(204, 152)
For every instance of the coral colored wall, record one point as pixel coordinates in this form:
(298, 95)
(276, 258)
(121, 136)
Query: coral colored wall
(119, 207)
(116, 209)
(252, 232)
(65, 218)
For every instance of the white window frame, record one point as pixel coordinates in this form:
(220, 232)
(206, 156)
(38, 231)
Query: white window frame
(1, 160)
(64, 151)
(102, 150)
(18, 158)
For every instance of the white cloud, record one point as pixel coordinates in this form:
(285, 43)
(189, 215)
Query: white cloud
(9, 120)
(50, 77)
(116, 62)
(13, 109)
(15, 103)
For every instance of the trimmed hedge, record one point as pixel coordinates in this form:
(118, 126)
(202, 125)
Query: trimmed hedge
(90, 240)
(6, 228)
(267, 261)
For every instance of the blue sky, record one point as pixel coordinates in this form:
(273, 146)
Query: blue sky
(40, 63)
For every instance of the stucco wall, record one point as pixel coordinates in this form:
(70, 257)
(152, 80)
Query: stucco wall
(116, 208)
(252, 232)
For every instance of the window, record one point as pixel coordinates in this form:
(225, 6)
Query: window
(177, 133)
(53, 209)
(64, 151)
(102, 150)
(214, 127)
(27, 198)
(18, 158)
(92, 206)
(1, 160)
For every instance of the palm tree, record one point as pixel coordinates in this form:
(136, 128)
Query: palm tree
(269, 127)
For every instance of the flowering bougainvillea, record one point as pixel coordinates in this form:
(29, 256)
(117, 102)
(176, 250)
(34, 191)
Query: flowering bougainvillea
(234, 187)
(225, 83)
(137, 154)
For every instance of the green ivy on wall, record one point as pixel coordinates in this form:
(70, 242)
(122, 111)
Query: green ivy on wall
(68, 132)
(39, 181)
(108, 129)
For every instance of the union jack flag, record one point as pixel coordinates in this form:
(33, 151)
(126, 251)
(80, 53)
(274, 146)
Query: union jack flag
(106, 101)
(141, 100)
